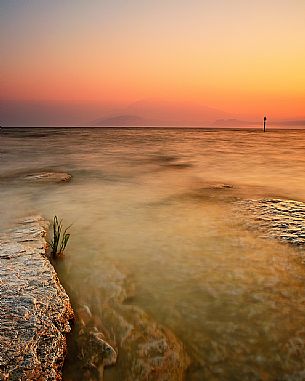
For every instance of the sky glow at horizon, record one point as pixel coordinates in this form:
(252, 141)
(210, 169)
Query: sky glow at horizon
(238, 56)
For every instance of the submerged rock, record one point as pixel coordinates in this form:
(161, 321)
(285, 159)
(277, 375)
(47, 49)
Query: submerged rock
(39, 176)
(34, 308)
(49, 177)
(152, 352)
(280, 219)
(93, 351)
(107, 325)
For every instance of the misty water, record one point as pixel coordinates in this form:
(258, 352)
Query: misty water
(160, 257)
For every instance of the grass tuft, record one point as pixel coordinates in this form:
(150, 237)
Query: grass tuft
(60, 238)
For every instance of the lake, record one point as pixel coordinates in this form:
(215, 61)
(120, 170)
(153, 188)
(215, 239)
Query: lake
(160, 258)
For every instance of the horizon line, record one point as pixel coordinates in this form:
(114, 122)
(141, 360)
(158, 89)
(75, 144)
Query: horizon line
(164, 127)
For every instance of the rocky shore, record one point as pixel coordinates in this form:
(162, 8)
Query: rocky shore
(275, 218)
(35, 311)
(38, 177)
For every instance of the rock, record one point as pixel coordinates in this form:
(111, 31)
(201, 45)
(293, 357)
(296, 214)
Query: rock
(160, 355)
(34, 308)
(108, 326)
(151, 352)
(92, 350)
(48, 177)
(222, 186)
(280, 219)
(94, 353)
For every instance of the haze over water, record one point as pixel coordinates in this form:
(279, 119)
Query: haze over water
(157, 241)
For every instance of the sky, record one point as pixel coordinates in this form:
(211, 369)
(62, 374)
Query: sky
(82, 58)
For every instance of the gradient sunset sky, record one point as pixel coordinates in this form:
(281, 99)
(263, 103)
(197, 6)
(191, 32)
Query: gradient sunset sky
(246, 58)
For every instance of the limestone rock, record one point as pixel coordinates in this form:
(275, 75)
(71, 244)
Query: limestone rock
(276, 218)
(146, 350)
(34, 308)
(48, 177)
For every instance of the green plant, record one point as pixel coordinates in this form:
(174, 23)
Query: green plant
(60, 238)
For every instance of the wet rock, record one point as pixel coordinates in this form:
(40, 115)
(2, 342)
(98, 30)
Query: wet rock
(280, 219)
(93, 351)
(34, 308)
(152, 352)
(147, 350)
(48, 177)
(225, 186)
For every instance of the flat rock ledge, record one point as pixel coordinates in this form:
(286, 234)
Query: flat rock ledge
(35, 310)
(276, 218)
(48, 177)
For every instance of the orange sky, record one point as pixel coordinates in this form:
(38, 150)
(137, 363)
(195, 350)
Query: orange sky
(243, 57)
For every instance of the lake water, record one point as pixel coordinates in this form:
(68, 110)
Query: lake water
(159, 258)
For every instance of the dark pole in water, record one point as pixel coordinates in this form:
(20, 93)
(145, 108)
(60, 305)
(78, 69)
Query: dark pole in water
(265, 123)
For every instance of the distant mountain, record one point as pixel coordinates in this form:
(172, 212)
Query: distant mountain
(120, 121)
(290, 123)
(175, 112)
(152, 112)
(234, 123)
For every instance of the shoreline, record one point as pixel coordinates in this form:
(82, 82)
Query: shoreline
(35, 310)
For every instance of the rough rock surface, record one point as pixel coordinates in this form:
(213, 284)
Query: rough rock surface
(152, 352)
(48, 177)
(34, 308)
(277, 218)
(146, 350)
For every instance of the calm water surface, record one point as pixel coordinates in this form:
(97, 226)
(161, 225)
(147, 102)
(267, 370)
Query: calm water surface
(158, 251)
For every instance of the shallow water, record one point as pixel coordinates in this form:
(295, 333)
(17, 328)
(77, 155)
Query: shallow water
(158, 252)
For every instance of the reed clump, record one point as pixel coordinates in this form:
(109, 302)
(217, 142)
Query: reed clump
(60, 238)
